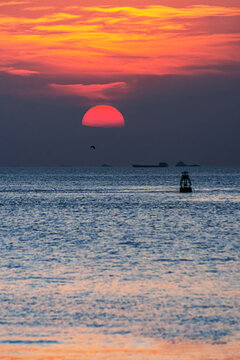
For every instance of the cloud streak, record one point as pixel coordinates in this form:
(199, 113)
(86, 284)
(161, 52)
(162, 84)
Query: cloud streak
(12, 3)
(20, 72)
(93, 91)
(164, 12)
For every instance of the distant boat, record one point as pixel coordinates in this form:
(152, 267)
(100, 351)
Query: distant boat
(182, 164)
(161, 165)
(185, 183)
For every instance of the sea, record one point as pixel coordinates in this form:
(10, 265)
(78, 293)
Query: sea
(113, 263)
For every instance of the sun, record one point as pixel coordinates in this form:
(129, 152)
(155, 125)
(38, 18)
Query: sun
(103, 116)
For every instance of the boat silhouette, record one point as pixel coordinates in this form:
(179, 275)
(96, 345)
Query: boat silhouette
(161, 164)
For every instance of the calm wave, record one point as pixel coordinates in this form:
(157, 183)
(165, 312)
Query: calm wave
(99, 256)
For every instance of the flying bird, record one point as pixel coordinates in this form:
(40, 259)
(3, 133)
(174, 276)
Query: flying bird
(92, 147)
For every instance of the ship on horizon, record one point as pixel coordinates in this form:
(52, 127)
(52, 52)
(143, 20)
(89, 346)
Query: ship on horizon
(161, 165)
(183, 164)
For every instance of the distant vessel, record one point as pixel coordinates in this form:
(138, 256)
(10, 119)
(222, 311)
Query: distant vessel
(161, 164)
(185, 183)
(181, 164)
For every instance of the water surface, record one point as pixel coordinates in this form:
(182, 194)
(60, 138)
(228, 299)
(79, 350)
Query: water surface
(115, 263)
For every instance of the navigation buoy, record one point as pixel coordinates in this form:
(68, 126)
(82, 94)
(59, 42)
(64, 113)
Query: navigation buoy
(185, 183)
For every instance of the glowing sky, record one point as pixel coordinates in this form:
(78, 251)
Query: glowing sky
(94, 37)
(93, 52)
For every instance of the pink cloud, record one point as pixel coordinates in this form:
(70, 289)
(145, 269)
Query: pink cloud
(20, 72)
(93, 91)
(8, 3)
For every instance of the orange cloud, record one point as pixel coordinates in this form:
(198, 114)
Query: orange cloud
(47, 19)
(39, 8)
(93, 91)
(99, 39)
(8, 3)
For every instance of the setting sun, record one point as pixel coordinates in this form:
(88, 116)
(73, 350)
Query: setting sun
(103, 116)
(119, 179)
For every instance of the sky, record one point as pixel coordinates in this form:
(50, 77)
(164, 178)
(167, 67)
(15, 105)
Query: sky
(171, 67)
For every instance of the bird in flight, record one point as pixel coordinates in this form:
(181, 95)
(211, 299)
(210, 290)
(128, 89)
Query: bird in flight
(92, 147)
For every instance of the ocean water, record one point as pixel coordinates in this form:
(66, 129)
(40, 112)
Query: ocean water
(115, 263)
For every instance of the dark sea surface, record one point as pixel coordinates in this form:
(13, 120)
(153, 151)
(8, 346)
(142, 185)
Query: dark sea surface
(115, 263)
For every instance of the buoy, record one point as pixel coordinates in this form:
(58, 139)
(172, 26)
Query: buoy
(185, 183)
